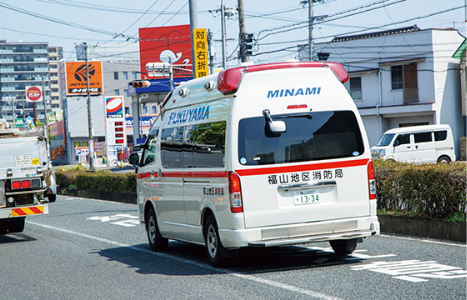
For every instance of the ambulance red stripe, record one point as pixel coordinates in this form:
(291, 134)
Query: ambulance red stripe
(301, 168)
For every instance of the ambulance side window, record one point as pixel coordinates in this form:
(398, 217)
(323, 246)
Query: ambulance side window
(150, 149)
(171, 147)
(208, 142)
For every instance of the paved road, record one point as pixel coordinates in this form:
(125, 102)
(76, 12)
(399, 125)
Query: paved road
(90, 249)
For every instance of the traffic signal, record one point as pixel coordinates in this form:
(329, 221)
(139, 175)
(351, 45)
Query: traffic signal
(140, 84)
(249, 44)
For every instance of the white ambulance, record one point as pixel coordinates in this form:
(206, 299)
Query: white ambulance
(258, 156)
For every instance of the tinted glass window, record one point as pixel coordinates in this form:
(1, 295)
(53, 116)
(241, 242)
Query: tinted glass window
(441, 135)
(402, 139)
(208, 144)
(309, 136)
(386, 139)
(422, 137)
(171, 144)
(150, 148)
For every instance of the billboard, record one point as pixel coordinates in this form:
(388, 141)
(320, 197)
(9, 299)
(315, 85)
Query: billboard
(166, 44)
(33, 93)
(75, 77)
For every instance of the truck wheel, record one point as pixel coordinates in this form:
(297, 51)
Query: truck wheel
(156, 241)
(343, 246)
(444, 160)
(52, 197)
(3, 227)
(213, 243)
(17, 225)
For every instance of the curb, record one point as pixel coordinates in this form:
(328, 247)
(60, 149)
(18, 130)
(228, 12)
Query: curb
(426, 228)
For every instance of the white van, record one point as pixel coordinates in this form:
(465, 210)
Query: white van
(258, 156)
(417, 144)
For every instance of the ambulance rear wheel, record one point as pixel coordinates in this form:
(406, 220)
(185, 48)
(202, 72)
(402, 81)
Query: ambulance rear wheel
(343, 246)
(17, 225)
(213, 243)
(156, 241)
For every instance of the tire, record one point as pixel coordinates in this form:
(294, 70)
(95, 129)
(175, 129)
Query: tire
(52, 197)
(17, 225)
(213, 243)
(156, 241)
(343, 246)
(444, 159)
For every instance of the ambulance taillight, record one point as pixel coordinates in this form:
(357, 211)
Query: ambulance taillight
(235, 192)
(371, 181)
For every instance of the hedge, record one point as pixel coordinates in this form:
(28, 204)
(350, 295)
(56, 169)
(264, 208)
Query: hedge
(425, 190)
(100, 181)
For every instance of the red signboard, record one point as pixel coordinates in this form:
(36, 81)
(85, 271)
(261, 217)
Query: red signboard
(33, 94)
(161, 44)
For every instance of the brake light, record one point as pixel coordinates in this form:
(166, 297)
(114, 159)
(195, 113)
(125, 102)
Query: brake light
(371, 181)
(235, 191)
(15, 185)
(26, 184)
(297, 106)
(228, 81)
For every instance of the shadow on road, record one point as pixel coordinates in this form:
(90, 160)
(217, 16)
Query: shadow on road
(15, 238)
(183, 259)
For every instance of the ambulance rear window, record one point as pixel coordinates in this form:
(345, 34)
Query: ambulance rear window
(309, 137)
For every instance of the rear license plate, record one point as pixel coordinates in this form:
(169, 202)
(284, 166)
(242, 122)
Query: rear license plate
(306, 197)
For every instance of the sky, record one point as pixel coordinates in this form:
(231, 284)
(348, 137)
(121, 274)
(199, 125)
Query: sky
(110, 26)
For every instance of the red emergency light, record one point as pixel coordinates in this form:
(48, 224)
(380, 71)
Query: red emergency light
(228, 81)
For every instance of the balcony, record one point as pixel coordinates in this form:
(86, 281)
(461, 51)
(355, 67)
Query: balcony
(6, 51)
(40, 50)
(7, 107)
(8, 88)
(7, 117)
(7, 69)
(6, 60)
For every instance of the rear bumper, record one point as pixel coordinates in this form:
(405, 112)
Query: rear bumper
(300, 233)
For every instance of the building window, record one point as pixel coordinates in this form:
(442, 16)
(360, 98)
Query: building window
(125, 92)
(356, 88)
(396, 77)
(404, 77)
(134, 75)
(127, 111)
(117, 92)
(125, 75)
(154, 109)
(116, 75)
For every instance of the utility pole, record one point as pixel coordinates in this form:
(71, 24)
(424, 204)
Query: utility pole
(211, 57)
(90, 144)
(224, 58)
(193, 25)
(242, 32)
(310, 31)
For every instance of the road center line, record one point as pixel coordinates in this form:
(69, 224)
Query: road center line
(206, 266)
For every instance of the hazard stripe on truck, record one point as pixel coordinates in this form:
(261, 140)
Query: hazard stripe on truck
(25, 211)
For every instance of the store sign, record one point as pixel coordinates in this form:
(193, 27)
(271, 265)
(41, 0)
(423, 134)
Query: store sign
(33, 93)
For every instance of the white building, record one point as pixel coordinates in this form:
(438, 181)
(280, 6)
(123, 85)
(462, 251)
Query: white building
(401, 77)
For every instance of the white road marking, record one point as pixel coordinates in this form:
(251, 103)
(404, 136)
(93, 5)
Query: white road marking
(414, 270)
(422, 240)
(133, 220)
(168, 256)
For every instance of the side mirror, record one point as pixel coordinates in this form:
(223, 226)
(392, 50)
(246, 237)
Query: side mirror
(275, 127)
(133, 159)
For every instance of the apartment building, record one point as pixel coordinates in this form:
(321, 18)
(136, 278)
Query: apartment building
(22, 65)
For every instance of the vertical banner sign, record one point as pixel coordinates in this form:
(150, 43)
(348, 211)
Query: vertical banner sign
(115, 136)
(200, 42)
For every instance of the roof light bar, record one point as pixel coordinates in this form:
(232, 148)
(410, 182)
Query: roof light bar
(228, 81)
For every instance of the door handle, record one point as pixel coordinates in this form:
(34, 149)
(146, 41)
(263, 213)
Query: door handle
(416, 147)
